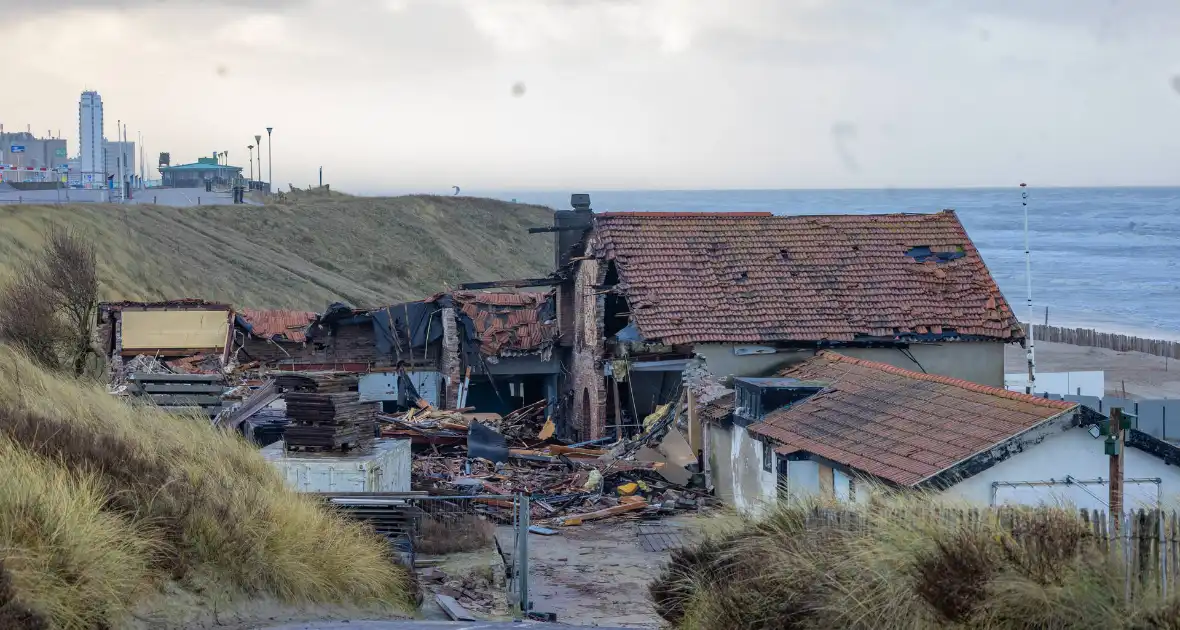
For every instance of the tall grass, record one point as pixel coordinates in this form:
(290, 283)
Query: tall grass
(102, 502)
(900, 563)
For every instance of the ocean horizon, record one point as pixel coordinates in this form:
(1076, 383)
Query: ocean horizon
(1103, 258)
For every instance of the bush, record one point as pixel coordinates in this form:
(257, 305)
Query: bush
(903, 562)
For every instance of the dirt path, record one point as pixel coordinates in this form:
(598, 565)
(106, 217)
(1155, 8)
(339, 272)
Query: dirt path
(597, 574)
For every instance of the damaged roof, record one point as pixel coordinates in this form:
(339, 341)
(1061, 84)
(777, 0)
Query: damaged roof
(895, 424)
(176, 304)
(518, 322)
(758, 277)
(279, 325)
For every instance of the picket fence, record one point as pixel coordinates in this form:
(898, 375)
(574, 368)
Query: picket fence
(1145, 546)
(1110, 341)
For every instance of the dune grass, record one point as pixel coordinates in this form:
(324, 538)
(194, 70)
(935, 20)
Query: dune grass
(102, 503)
(902, 564)
(304, 251)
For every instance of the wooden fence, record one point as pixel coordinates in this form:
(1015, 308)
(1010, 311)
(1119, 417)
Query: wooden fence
(1145, 547)
(1110, 341)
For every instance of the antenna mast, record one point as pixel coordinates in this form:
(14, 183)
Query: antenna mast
(1030, 341)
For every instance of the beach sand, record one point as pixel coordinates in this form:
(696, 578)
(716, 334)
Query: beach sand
(1143, 375)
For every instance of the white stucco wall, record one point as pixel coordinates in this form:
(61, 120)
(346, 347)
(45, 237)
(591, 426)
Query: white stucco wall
(1070, 453)
(978, 362)
(753, 487)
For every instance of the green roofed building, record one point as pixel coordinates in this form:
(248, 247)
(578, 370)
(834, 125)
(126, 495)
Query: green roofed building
(195, 175)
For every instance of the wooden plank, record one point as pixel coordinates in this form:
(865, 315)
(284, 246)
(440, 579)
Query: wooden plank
(181, 388)
(176, 400)
(452, 608)
(176, 378)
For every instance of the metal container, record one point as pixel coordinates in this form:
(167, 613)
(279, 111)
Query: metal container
(382, 467)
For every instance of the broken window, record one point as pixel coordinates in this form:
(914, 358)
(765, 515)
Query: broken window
(923, 253)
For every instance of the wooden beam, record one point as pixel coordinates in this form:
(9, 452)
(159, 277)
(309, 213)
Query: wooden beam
(511, 284)
(176, 378)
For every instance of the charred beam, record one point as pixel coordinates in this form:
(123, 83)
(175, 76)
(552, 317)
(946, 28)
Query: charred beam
(512, 284)
(558, 228)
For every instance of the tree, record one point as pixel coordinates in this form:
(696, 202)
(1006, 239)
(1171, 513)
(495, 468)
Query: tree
(48, 309)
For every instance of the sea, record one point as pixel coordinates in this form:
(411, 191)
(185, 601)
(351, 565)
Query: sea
(1104, 258)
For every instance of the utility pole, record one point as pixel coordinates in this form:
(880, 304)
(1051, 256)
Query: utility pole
(118, 128)
(250, 148)
(270, 159)
(130, 171)
(1115, 443)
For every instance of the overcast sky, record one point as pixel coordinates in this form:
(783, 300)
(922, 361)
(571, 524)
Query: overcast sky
(591, 94)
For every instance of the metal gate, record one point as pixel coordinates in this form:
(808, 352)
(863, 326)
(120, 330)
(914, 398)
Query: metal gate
(455, 512)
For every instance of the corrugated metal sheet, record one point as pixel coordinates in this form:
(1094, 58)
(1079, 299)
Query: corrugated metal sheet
(182, 330)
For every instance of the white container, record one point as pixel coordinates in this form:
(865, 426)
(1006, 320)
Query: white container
(382, 467)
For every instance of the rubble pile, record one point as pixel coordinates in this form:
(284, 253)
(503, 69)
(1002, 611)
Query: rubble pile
(648, 477)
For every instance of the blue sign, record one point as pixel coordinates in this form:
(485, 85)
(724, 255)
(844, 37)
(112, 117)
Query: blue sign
(17, 148)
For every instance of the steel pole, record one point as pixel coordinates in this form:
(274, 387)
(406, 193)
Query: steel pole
(270, 159)
(1032, 359)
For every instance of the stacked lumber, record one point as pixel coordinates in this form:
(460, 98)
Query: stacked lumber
(179, 392)
(322, 382)
(329, 421)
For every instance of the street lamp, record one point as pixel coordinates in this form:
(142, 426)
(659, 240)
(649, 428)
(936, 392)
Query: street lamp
(250, 148)
(270, 158)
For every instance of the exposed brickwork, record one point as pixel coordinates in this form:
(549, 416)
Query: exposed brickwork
(588, 383)
(755, 277)
(450, 363)
(898, 425)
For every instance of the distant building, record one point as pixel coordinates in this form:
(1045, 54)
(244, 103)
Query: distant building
(24, 150)
(91, 159)
(114, 152)
(195, 175)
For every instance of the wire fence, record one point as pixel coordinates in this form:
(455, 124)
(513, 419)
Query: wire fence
(1143, 544)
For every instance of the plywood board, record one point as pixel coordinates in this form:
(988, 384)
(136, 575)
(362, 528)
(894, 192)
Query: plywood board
(189, 329)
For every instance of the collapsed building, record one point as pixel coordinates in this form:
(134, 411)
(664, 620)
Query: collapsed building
(493, 349)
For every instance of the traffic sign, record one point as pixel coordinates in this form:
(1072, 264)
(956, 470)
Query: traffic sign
(59, 152)
(16, 148)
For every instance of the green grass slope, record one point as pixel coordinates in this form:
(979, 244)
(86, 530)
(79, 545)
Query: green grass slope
(304, 251)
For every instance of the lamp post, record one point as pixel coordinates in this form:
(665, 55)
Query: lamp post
(250, 148)
(270, 159)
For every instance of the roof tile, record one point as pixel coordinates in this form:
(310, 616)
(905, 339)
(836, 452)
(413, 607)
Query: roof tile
(913, 427)
(756, 277)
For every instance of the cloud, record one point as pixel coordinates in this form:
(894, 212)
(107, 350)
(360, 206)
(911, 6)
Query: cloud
(397, 94)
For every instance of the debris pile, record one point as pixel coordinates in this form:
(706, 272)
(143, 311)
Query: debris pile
(463, 454)
(325, 412)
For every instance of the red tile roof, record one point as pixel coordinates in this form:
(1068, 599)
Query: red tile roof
(756, 277)
(291, 325)
(510, 322)
(898, 425)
